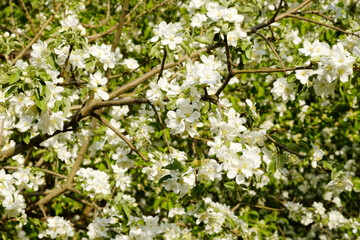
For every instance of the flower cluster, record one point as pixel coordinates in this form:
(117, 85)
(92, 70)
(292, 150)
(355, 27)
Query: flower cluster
(169, 34)
(57, 227)
(95, 182)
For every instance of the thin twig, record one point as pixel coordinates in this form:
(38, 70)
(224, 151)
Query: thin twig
(273, 50)
(317, 12)
(14, 31)
(37, 36)
(113, 28)
(35, 169)
(230, 69)
(12, 14)
(271, 70)
(117, 132)
(282, 146)
(28, 16)
(162, 65)
(162, 126)
(102, 22)
(323, 24)
(1, 131)
(282, 234)
(129, 72)
(120, 25)
(67, 60)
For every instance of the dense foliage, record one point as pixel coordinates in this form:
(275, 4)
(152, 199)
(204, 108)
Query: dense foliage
(194, 119)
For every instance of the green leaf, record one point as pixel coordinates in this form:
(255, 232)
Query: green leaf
(293, 147)
(248, 54)
(225, 28)
(50, 60)
(198, 190)
(13, 78)
(230, 185)
(278, 140)
(26, 137)
(4, 78)
(171, 105)
(10, 91)
(304, 146)
(272, 166)
(203, 40)
(327, 165)
(164, 178)
(127, 211)
(66, 108)
(154, 49)
(176, 165)
(42, 104)
(187, 48)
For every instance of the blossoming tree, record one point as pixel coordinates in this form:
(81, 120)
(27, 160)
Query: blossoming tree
(194, 119)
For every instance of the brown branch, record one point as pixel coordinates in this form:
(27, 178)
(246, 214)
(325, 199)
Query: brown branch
(28, 16)
(78, 161)
(14, 31)
(12, 14)
(37, 36)
(162, 126)
(271, 70)
(35, 169)
(278, 18)
(272, 49)
(113, 28)
(129, 72)
(156, 70)
(102, 22)
(281, 232)
(229, 67)
(118, 35)
(282, 146)
(323, 24)
(1, 131)
(120, 25)
(67, 60)
(317, 12)
(162, 65)
(117, 132)
(121, 102)
(68, 184)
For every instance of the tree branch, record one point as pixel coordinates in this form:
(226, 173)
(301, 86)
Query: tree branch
(28, 16)
(323, 24)
(37, 36)
(117, 132)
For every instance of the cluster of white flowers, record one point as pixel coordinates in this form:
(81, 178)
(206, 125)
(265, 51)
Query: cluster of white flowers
(122, 180)
(316, 156)
(95, 182)
(98, 228)
(10, 198)
(341, 183)
(334, 63)
(57, 227)
(217, 216)
(239, 159)
(72, 22)
(284, 90)
(317, 213)
(98, 85)
(169, 34)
